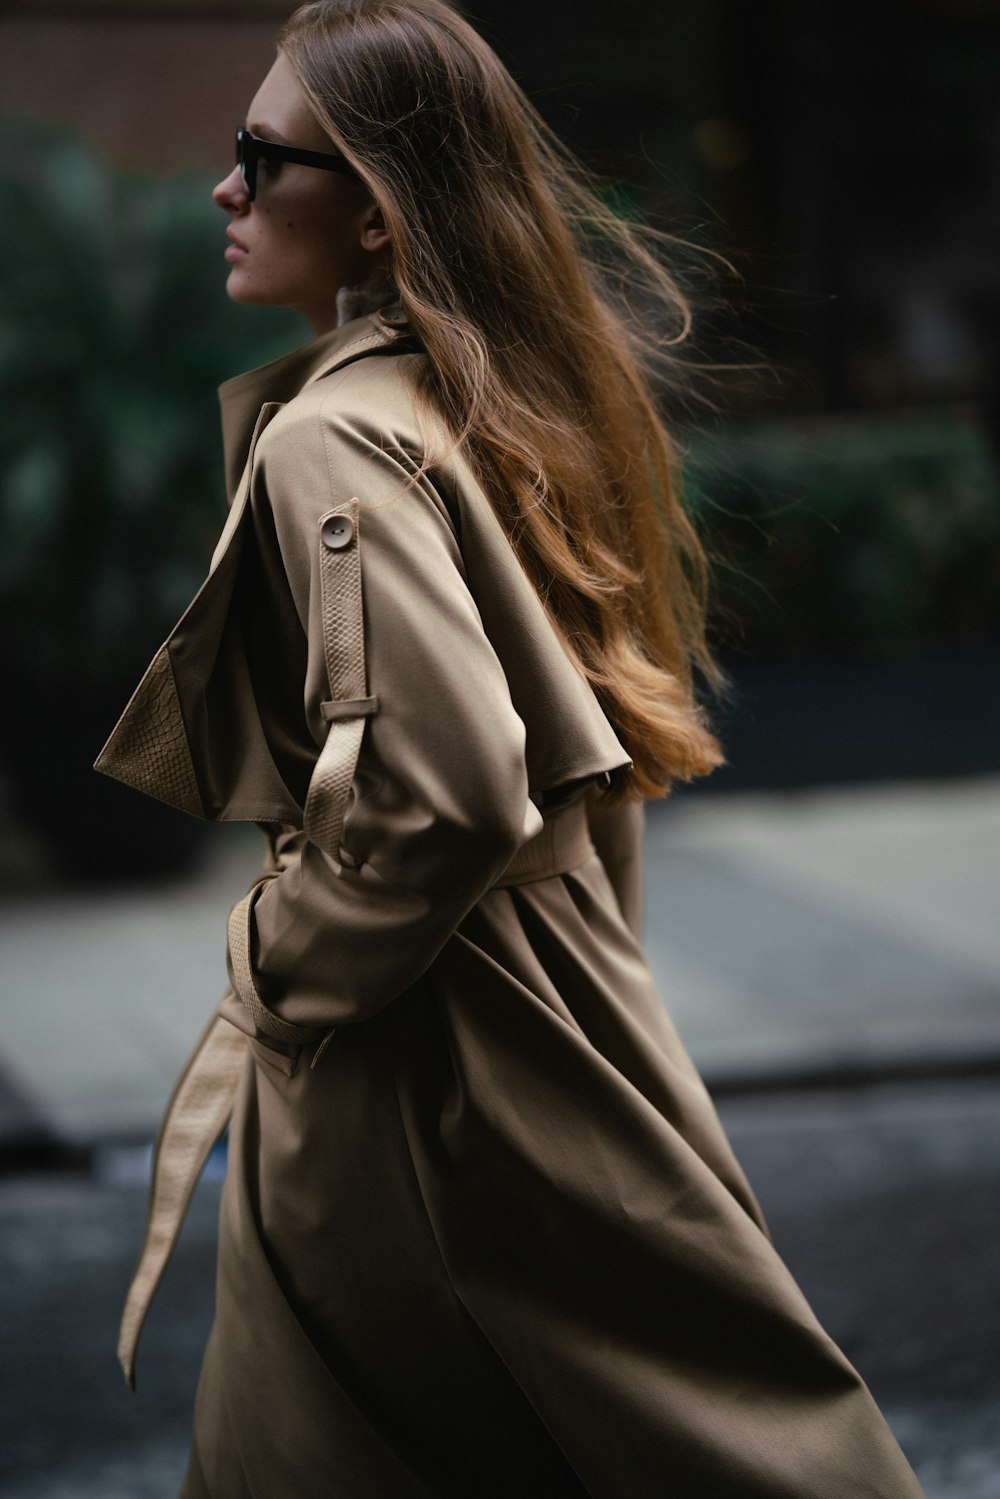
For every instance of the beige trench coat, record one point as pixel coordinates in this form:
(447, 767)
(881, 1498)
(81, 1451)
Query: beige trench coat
(481, 1233)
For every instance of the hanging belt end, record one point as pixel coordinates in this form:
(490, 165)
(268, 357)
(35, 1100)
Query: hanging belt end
(126, 1361)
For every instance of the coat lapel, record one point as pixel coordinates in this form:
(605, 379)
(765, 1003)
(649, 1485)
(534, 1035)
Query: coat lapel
(166, 742)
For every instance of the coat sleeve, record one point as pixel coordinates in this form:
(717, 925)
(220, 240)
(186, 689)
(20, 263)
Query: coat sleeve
(439, 803)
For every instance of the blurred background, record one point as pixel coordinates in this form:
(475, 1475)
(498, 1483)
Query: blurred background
(822, 914)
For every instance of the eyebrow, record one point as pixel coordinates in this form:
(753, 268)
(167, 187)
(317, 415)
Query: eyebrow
(268, 133)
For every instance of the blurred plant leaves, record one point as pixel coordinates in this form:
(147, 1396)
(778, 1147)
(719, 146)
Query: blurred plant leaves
(114, 332)
(852, 536)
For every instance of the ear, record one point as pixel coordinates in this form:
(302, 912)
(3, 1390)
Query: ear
(374, 234)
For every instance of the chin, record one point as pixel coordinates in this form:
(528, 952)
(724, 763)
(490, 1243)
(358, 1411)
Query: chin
(240, 288)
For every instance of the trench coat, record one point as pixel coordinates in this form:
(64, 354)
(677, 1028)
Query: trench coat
(481, 1232)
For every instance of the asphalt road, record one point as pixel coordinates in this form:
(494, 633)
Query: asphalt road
(885, 1201)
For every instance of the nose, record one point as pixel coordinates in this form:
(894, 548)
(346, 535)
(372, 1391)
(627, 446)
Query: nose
(231, 193)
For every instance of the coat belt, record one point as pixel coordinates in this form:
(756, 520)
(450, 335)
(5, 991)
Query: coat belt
(562, 844)
(201, 1102)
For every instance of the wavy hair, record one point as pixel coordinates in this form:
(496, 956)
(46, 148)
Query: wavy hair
(548, 322)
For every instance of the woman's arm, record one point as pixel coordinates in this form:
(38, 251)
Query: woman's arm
(440, 800)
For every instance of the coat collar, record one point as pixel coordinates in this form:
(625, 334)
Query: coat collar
(242, 398)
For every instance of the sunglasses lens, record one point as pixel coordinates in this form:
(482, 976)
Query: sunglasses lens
(246, 161)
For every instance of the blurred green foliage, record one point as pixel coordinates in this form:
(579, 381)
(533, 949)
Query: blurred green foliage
(114, 332)
(851, 536)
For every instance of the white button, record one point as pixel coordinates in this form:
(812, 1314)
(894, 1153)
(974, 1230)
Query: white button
(337, 532)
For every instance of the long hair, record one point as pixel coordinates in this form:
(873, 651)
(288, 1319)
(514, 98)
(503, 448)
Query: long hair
(547, 321)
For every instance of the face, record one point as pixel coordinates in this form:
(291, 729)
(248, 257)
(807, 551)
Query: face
(308, 232)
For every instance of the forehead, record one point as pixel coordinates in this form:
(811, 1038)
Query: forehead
(278, 111)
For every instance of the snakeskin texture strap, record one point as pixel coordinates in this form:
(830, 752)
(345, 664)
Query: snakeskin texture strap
(196, 1115)
(244, 983)
(344, 651)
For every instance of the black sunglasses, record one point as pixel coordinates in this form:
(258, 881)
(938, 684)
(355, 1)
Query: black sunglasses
(250, 148)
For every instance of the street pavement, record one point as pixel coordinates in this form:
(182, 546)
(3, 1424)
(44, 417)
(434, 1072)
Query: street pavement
(832, 959)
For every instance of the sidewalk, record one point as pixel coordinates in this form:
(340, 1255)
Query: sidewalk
(818, 932)
(851, 928)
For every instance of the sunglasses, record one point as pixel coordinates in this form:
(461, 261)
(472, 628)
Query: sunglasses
(250, 149)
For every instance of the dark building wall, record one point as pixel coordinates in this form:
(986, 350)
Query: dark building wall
(875, 200)
(152, 92)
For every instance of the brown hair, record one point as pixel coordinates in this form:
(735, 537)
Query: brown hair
(518, 280)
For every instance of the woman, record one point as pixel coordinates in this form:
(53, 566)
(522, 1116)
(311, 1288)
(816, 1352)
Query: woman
(481, 1233)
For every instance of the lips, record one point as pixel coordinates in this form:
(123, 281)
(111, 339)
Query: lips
(234, 250)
